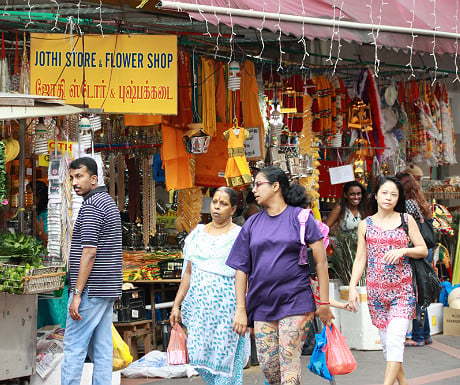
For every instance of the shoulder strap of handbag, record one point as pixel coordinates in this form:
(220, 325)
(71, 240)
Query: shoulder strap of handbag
(420, 214)
(405, 225)
(420, 313)
(303, 217)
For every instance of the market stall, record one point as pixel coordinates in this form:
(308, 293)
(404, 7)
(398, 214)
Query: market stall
(168, 132)
(24, 274)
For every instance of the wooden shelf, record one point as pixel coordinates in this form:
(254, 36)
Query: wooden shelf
(441, 195)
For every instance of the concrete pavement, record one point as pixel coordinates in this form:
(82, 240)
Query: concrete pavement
(438, 364)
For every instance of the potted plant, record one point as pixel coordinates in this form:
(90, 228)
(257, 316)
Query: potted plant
(356, 327)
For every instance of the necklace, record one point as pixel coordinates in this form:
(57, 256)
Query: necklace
(219, 228)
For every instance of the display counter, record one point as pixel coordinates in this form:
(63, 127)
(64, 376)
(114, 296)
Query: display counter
(18, 335)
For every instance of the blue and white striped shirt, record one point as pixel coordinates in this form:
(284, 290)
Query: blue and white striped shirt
(98, 225)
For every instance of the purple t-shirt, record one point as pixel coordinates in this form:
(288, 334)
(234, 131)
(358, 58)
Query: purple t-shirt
(267, 250)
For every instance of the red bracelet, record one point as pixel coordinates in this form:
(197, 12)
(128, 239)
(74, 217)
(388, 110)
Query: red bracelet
(324, 303)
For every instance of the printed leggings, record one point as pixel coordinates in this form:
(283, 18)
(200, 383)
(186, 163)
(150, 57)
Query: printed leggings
(279, 347)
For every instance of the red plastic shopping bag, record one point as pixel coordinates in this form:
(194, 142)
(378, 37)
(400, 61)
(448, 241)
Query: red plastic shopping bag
(339, 359)
(177, 347)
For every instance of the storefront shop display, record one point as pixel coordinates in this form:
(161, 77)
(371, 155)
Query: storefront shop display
(25, 271)
(169, 119)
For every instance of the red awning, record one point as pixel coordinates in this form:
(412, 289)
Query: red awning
(394, 13)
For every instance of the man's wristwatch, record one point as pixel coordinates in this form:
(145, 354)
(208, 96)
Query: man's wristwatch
(75, 291)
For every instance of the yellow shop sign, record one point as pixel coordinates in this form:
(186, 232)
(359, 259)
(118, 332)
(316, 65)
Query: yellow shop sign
(118, 73)
(59, 146)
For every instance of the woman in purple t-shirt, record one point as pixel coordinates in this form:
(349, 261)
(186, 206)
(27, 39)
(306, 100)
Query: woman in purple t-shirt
(279, 302)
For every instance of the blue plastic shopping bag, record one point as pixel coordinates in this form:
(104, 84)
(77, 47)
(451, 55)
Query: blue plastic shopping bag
(317, 363)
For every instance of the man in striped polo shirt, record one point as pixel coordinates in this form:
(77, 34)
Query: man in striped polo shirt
(96, 277)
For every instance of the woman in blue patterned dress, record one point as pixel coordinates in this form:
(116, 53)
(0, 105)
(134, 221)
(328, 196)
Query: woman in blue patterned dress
(205, 300)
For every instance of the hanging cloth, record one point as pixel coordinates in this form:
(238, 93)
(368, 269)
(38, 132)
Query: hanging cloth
(208, 85)
(134, 189)
(210, 167)
(221, 93)
(305, 140)
(324, 103)
(251, 110)
(184, 94)
(141, 120)
(175, 159)
(290, 100)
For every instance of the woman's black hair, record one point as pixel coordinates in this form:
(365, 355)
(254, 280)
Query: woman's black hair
(231, 193)
(362, 207)
(293, 194)
(41, 194)
(400, 205)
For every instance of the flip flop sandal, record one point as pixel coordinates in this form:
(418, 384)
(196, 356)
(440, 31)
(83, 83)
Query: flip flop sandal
(414, 343)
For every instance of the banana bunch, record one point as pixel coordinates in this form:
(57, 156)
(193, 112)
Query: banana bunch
(12, 149)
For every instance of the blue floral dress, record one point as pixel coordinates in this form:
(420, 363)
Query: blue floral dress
(216, 352)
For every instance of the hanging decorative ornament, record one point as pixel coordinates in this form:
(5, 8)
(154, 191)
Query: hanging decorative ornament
(41, 138)
(234, 80)
(16, 78)
(121, 188)
(112, 177)
(4, 71)
(84, 139)
(24, 86)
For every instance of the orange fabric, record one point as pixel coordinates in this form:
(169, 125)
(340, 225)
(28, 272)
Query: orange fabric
(208, 85)
(251, 110)
(237, 171)
(210, 167)
(142, 120)
(184, 94)
(221, 93)
(175, 159)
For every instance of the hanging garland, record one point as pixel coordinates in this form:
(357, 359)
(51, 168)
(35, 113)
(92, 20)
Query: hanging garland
(145, 202)
(112, 178)
(152, 201)
(121, 182)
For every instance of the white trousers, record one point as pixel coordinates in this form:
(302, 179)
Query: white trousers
(393, 339)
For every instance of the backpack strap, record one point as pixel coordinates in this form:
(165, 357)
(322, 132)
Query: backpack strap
(303, 217)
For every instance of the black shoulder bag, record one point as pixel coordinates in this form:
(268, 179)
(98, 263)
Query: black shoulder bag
(425, 225)
(427, 285)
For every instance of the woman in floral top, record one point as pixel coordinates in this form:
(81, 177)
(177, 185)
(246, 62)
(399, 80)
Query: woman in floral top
(384, 246)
